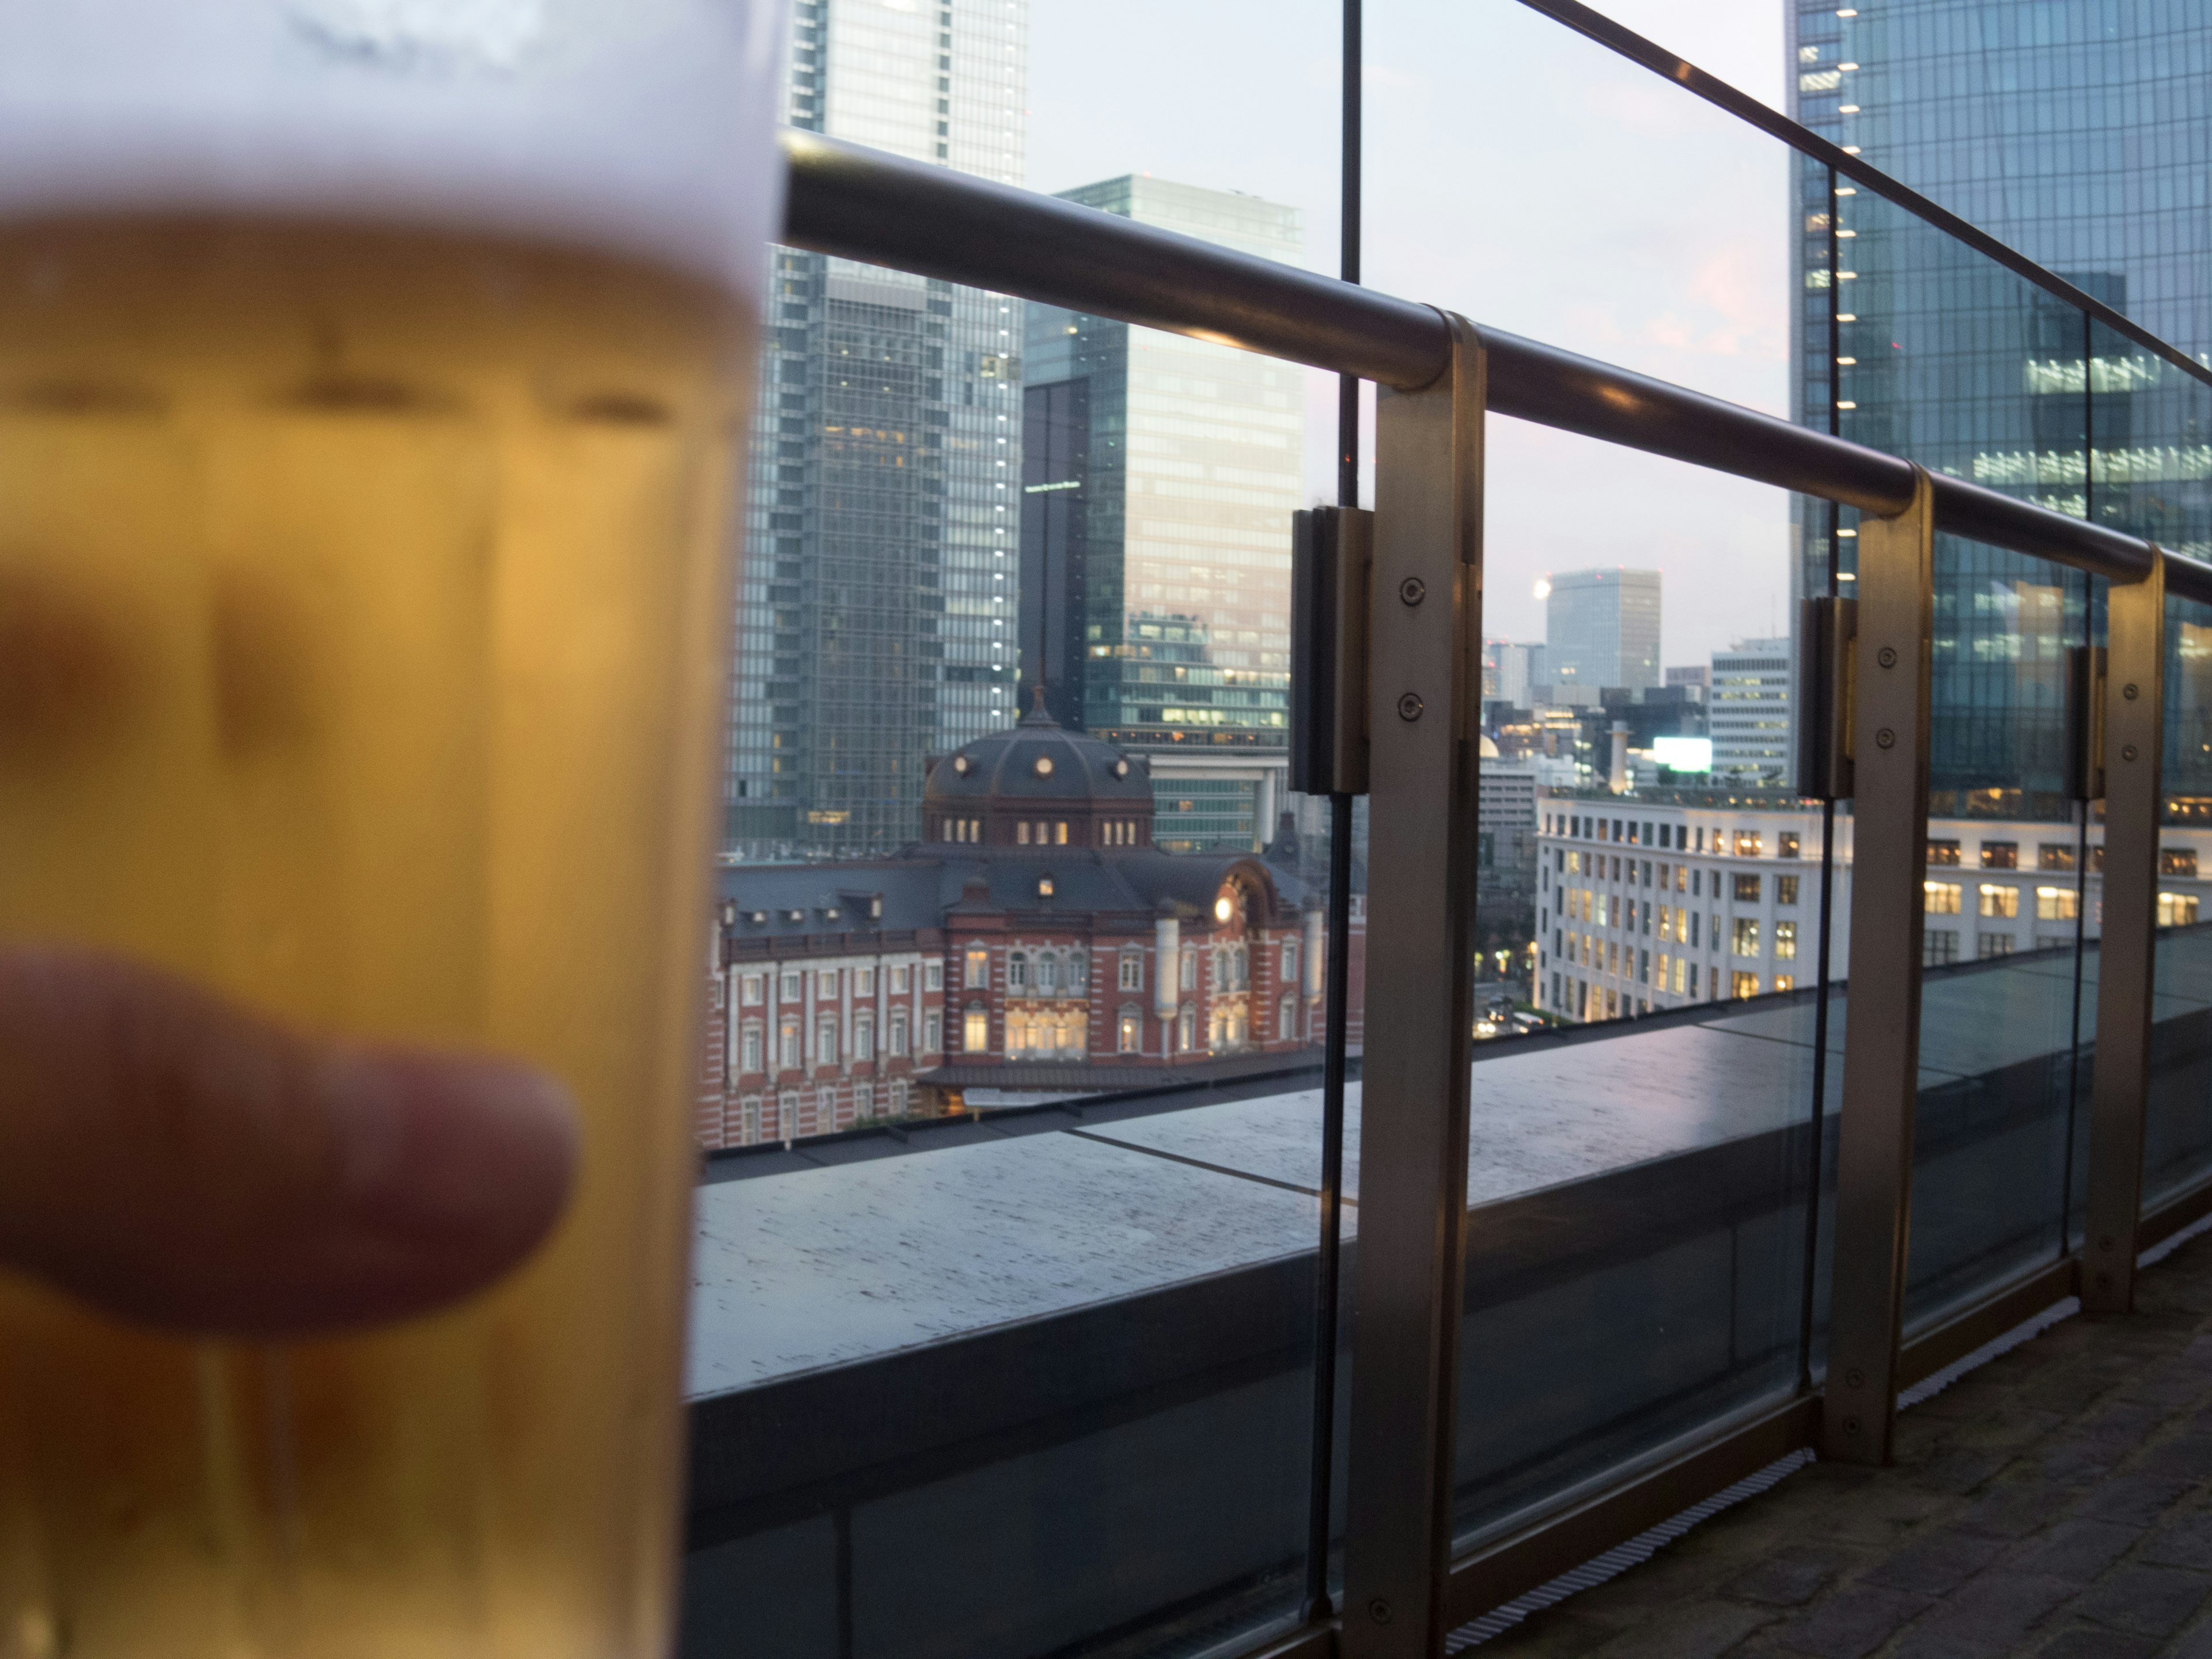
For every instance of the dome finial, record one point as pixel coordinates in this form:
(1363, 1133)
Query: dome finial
(1038, 714)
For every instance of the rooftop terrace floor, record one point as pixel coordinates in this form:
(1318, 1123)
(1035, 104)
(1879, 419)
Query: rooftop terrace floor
(2055, 1502)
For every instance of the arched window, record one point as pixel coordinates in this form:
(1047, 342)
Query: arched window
(1017, 971)
(1048, 974)
(1131, 1033)
(975, 1028)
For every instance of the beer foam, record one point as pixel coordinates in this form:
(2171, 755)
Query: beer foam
(638, 126)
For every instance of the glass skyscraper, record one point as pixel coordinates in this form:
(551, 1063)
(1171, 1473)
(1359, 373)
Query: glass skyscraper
(2077, 132)
(875, 617)
(1159, 478)
(1601, 628)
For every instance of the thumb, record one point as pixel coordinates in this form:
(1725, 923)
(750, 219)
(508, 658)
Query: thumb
(183, 1163)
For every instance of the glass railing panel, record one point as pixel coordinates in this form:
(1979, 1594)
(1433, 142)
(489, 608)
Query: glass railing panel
(2178, 1125)
(1642, 1102)
(1006, 1285)
(1941, 356)
(2151, 476)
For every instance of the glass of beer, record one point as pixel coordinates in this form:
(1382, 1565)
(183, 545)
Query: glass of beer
(372, 376)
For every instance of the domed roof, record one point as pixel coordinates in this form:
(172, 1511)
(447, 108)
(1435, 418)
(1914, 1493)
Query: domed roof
(1038, 760)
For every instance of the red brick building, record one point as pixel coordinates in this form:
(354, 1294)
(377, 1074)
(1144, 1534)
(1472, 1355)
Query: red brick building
(1035, 941)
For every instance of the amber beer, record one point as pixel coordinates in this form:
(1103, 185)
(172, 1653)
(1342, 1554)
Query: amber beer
(366, 587)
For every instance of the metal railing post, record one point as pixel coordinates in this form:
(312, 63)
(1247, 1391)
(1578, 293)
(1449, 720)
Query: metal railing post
(1882, 1039)
(1425, 680)
(2135, 701)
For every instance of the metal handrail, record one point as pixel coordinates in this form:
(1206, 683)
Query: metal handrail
(861, 204)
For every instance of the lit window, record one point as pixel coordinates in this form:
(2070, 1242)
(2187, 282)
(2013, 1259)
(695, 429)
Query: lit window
(1745, 941)
(1785, 981)
(1747, 843)
(1747, 890)
(975, 1028)
(1022, 834)
(1944, 852)
(2177, 861)
(1785, 889)
(1131, 1031)
(978, 967)
(1786, 847)
(2177, 910)
(2000, 855)
(1060, 835)
(786, 1045)
(1743, 985)
(2055, 903)
(1785, 945)
(2000, 901)
(1941, 899)
(2050, 856)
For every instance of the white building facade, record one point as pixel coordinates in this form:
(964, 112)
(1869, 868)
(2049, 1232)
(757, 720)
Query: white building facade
(1642, 906)
(1748, 713)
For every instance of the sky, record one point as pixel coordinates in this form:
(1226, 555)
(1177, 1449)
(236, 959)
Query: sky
(1522, 176)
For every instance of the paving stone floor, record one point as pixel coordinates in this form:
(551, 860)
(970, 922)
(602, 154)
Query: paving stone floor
(2057, 1502)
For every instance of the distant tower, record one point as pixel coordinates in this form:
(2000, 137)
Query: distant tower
(875, 623)
(1159, 478)
(1601, 628)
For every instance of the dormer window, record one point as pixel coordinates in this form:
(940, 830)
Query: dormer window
(1044, 887)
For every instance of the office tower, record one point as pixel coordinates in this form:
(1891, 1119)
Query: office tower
(1511, 671)
(876, 614)
(2078, 135)
(1747, 712)
(1159, 478)
(1601, 628)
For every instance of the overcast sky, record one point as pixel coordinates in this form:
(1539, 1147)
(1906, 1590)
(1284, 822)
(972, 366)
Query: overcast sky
(1524, 176)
